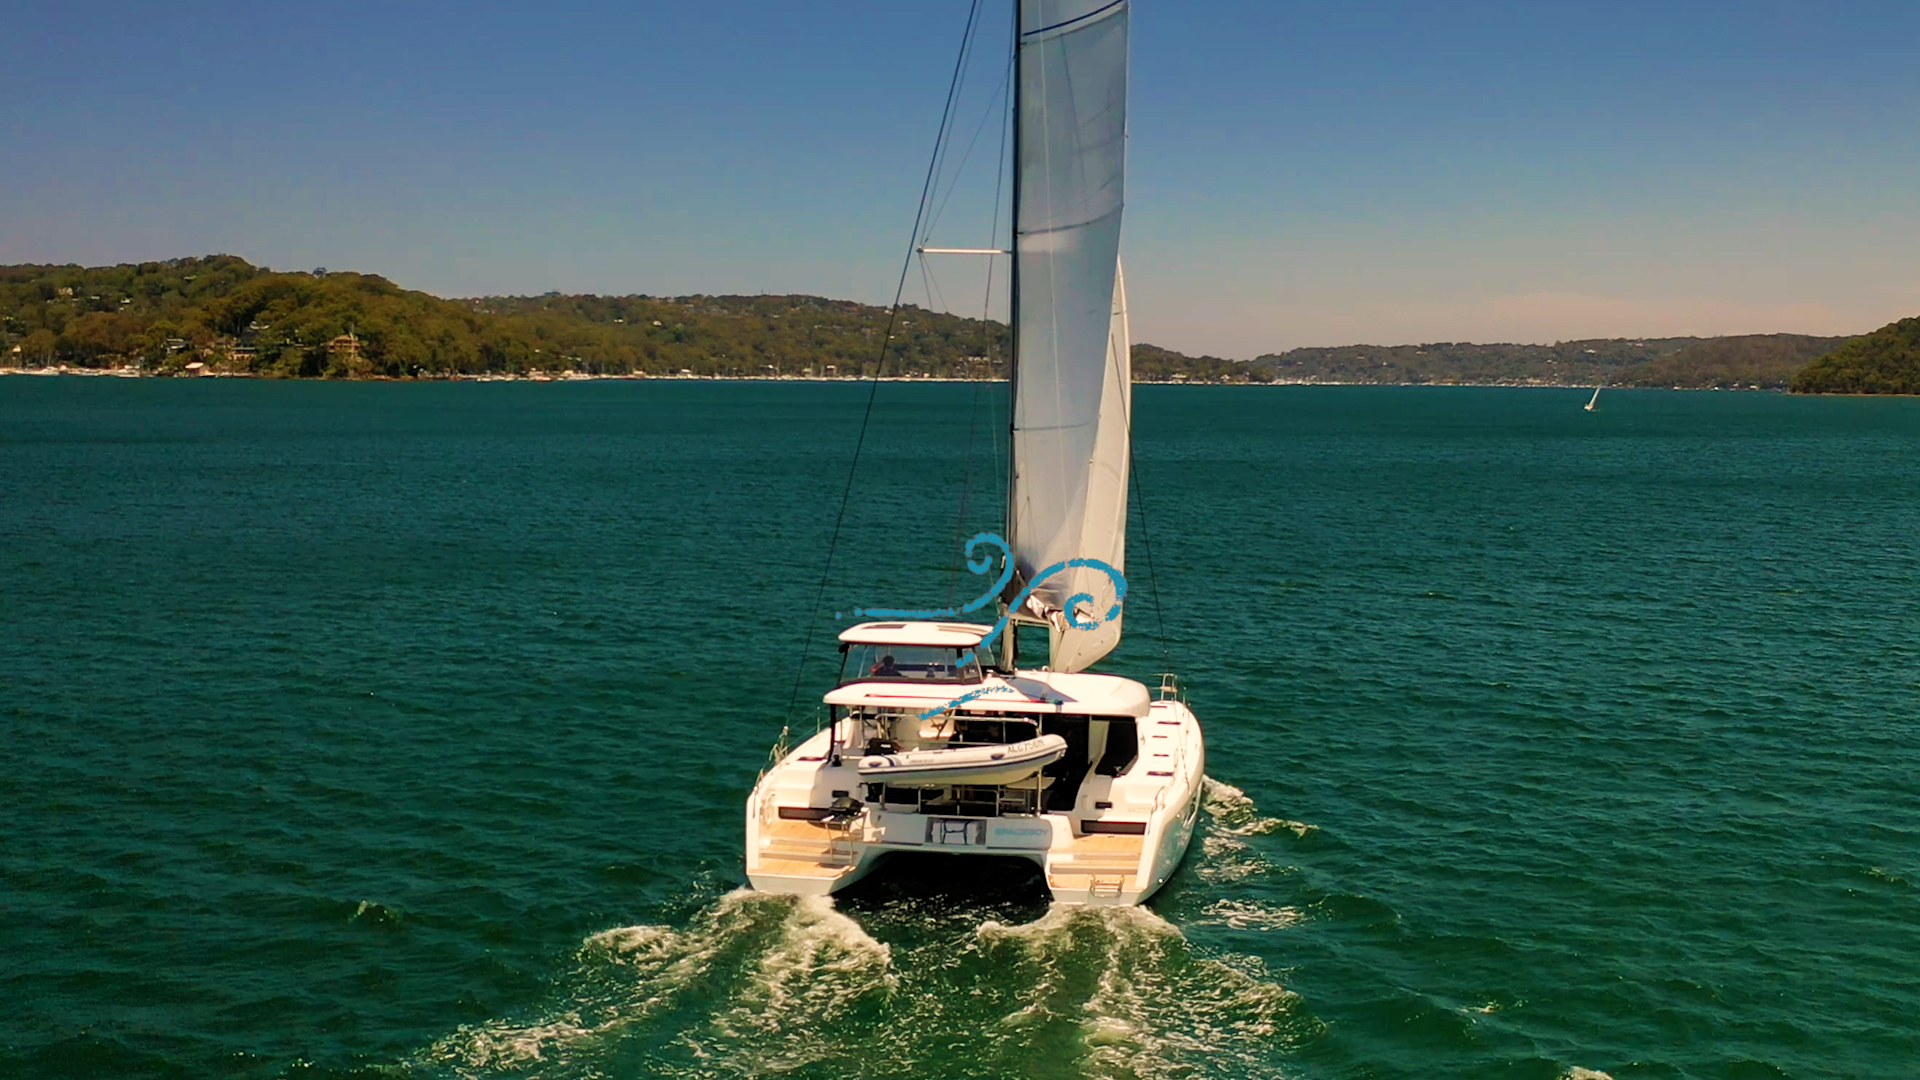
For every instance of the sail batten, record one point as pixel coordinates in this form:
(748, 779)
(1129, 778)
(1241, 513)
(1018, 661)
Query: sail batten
(1073, 388)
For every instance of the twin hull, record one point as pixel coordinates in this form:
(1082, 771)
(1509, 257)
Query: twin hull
(1121, 840)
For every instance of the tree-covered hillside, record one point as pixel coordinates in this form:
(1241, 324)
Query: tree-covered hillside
(1886, 361)
(1151, 363)
(750, 335)
(223, 314)
(1757, 361)
(1565, 363)
(228, 315)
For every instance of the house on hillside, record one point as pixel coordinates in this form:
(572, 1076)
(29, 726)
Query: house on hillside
(345, 347)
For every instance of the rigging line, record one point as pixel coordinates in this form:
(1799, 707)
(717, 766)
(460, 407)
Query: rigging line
(973, 421)
(966, 486)
(952, 113)
(926, 282)
(873, 390)
(986, 353)
(934, 295)
(954, 184)
(1146, 543)
(988, 335)
(999, 189)
(999, 186)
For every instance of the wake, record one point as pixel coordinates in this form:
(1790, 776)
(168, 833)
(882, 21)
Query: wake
(760, 985)
(752, 969)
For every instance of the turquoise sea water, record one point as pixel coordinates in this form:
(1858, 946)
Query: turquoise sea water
(404, 730)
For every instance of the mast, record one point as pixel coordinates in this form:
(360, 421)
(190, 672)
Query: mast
(1010, 651)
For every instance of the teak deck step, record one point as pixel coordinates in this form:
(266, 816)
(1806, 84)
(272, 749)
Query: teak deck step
(795, 846)
(1099, 853)
(1110, 884)
(804, 847)
(783, 827)
(774, 864)
(1106, 842)
(1097, 864)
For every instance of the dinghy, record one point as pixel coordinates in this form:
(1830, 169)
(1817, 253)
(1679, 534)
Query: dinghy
(1006, 764)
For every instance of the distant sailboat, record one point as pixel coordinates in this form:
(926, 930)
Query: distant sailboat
(1595, 400)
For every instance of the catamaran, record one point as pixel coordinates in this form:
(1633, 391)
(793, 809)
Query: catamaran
(937, 740)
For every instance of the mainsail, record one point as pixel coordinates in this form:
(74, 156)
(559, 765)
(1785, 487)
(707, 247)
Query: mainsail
(1073, 380)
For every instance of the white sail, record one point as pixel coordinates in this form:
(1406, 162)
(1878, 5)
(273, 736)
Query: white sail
(1103, 520)
(1073, 383)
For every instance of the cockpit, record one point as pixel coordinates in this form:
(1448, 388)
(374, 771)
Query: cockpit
(867, 662)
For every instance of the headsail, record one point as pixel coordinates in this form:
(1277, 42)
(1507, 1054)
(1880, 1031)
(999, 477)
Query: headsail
(1073, 386)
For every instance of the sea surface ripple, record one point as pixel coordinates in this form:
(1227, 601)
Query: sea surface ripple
(403, 731)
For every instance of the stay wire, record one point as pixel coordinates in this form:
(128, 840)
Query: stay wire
(1146, 543)
(986, 352)
(924, 227)
(873, 391)
(1009, 346)
(966, 486)
(953, 184)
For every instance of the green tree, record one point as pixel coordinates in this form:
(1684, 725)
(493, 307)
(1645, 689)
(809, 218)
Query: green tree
(38, 347)
(1886, 361)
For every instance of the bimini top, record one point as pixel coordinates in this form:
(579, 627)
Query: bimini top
(1053, 693)
(939, 635)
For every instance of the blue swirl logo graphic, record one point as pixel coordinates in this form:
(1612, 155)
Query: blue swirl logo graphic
(979, 562)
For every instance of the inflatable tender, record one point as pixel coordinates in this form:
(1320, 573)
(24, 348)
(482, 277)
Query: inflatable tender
(1008, 763)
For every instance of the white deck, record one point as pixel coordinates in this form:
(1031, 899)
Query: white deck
(1158, 793)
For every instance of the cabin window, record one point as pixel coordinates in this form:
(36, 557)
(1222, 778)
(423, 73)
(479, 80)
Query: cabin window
(991, 730)
(907, 663)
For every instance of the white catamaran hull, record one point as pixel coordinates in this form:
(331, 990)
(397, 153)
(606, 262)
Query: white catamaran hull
(1123, 838)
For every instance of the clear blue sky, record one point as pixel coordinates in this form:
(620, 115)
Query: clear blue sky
(1302, 173)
